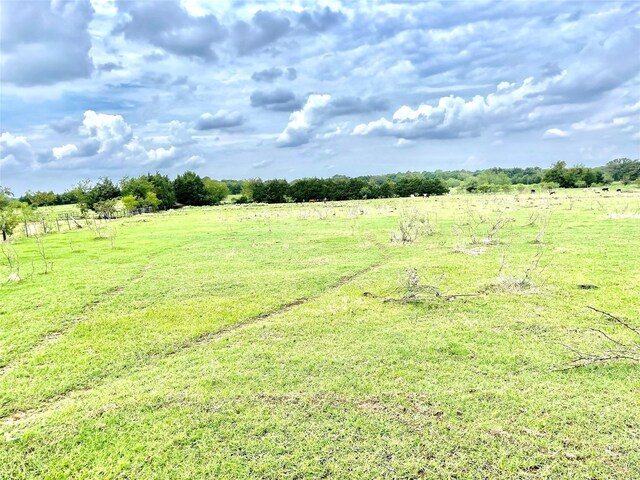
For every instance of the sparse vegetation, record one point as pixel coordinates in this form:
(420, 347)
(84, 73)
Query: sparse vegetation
(291, 340)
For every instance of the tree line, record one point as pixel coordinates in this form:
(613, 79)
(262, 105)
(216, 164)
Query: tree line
(157, 191)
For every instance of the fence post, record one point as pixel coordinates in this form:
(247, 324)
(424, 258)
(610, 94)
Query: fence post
(68, 222)
(58, 224)
(26, 228)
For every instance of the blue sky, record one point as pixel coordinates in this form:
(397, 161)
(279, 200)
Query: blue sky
(241, 89)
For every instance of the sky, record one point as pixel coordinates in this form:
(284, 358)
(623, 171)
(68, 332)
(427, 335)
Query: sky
(297, 88)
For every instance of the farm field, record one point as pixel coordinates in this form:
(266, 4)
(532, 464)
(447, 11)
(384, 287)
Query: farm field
(394, 338)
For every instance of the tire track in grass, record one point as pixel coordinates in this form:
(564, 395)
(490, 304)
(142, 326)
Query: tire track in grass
(53, 336)
(59, 401)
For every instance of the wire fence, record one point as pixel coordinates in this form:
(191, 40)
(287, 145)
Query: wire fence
(71, 220)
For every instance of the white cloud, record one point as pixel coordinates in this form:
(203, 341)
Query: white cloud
(110, 130)
(555, 133)
(179, 133)
(162, 154)
(64, 151)
(222, 119)
(453, 117)
(302, 122)
(404, 143)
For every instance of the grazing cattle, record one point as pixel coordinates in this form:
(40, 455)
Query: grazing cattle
(533, 191)
(605, 189)
(552, 193)
(412, 195)
(619, 190)
(312, 200)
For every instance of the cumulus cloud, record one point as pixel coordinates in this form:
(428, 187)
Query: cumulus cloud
(222, 119)
(111, 131)
(583, 57)
(15, 151)
(552, 133)
(179, 133)
(317, 110)
(162, 155)
(278, 100)
(43, 43)
(64, 151)
(453, 117)
(108, 139)
(165, 24)
(264, 29)
(302, 122)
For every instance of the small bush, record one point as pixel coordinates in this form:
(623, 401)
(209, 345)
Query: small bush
(411, 226)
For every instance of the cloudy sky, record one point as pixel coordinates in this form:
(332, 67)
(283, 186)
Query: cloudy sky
(241, 89)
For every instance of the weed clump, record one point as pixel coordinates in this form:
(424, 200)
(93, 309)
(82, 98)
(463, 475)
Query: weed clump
(511, 284)
(412, 225)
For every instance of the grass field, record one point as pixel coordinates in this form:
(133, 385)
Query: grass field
(295, 341)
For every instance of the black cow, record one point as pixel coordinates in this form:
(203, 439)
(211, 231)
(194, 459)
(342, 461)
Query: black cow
(533, 191)
(605, 189)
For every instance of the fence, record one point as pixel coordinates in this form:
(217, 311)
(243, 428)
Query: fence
(66, 221)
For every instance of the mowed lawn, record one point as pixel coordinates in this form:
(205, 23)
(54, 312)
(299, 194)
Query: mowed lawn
(282, 342)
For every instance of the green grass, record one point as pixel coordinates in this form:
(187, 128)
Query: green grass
(255, 341)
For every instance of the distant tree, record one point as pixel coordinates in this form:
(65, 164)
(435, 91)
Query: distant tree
(151, 201)
(130, 202)
(275, 191)
(556, 173)
(386, 189)
(39, 199)
(234, 186)
(67, 198)
(247, 189)
(163, 188)
(106, 208)
(136, 187)
(624, 169)
(9, 218)
(104, 190)
(81, 192)
(190, 189)
(216, 191)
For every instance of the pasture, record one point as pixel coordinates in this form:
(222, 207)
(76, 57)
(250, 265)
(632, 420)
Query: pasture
(396, 338)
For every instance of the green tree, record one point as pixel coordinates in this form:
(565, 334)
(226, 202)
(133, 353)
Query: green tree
(190, 189)
(275, 191)
(130, 202)
(151, 200)
(624, 169)
(39, 199)
(104, 190)
(136, 187)
(556, 173)
(216, 191)
(9, 218)
(163, 188)
(106, 208)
